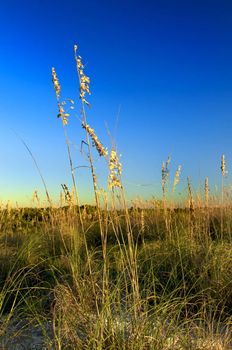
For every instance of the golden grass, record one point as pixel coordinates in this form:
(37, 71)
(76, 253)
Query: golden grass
(153, 276)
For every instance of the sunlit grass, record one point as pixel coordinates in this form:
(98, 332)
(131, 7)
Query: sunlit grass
(152, 276)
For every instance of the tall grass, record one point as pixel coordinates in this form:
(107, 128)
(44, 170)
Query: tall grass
(153, 276)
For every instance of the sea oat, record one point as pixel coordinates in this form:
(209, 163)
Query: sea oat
(67, 195)
(166, 166)
(96, 143)
(142, 222)
(165, 174)
(64, 116)
(56, 83)
(84, 80)
(115, 168)
(35, 196)
(206, 191)
(190, 194)
(163, 177)
(223, 165)
(177, 178)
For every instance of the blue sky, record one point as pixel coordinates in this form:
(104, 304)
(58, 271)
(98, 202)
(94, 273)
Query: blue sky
(161, 79)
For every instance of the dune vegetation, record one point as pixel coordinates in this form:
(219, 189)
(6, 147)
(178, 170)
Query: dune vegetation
(153, 275)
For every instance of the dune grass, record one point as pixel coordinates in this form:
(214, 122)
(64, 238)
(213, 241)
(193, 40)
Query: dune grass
(153, 276)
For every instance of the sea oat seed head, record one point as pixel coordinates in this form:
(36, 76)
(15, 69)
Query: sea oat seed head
(96, 143)
(142, 222)
(165, 173)
(84, 80)
(177, 177)
(223, 165)
(115, 168)
(56, 83)
(190, 194)
(206, 191)
(64, 116)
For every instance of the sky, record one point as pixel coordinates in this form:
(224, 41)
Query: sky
(161, 84)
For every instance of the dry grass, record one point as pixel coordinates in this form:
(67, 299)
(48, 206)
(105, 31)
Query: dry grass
(155, 276)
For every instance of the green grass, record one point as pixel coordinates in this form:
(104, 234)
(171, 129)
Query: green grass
(184, 279)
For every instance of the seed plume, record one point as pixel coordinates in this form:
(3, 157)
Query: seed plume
(84, 80)
(165, 174)
(56, 83)
(115, 168)
(223, 165)
(177, 177)
(190, 194)
(96, 143)
(207, 191)
(64, 116)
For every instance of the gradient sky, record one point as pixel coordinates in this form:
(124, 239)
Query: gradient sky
(161, 79)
